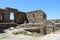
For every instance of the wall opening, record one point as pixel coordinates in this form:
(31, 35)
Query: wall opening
(11, 16)
(1, 17)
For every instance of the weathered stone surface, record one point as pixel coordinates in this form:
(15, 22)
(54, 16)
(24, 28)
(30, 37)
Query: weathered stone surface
(36, 16)
(21, 17)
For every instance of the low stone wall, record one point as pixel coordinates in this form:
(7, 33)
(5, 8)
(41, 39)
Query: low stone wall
(32, 27)
(49, 28)
(7, 25)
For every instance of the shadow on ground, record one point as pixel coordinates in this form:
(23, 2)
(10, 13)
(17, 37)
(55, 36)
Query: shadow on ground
(2, 30)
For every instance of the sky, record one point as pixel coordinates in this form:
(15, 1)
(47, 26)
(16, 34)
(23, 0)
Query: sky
(50, 7)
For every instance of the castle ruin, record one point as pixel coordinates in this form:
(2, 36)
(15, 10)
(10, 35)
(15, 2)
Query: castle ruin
(37, 16)
(21, 17)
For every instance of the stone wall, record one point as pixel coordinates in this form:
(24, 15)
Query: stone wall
(19, 17)
(36, 16)
(22, 17)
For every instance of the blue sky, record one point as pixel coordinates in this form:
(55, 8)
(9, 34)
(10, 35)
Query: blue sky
(50, 7)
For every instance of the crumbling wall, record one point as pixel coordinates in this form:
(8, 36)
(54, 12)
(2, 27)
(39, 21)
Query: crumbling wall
(36, 16)
(19, 17)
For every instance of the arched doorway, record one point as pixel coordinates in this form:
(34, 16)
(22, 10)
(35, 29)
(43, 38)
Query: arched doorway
(1, 17)
(11, 17)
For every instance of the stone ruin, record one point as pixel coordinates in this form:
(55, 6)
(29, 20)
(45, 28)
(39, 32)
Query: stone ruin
(37, 16)
(21, 17)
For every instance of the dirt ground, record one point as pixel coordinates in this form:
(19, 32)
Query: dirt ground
(9, 36)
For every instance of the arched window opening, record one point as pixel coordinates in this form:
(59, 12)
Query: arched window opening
(11, 16)
(1, 17)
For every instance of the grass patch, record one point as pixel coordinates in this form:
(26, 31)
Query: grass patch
(34, 34)
(28, 34)
(2, 36)
(56, 31)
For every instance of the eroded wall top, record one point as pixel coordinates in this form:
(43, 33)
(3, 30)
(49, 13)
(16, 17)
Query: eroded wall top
(21, 17)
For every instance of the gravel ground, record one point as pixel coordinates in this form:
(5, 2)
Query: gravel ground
(9, 36)
(51, 37)
(18, 37)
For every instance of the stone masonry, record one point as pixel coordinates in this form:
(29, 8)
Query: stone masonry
(21, 17)
(37, 16)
